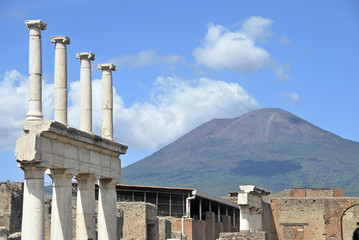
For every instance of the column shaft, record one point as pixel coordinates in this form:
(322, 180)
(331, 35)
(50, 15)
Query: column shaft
(244, 220)
(86, 205)
(35, 69)
(61, 207)
(107, 217)
(33, 217)
(86, 91)
(60, 78)
(107, 100)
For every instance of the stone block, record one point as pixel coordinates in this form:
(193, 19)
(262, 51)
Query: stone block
(106, 161)
(115, 163)
(54, 160)
(71, 152)
(45, 145)
(84, 167)
(338, 192)
(95, 158)
(58, 148)
(297, 192)
(116, 175)
(71, 163)
(106, 172)
(94, 169)
(84, 155)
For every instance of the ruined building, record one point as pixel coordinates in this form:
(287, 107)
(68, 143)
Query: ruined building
(108, 210)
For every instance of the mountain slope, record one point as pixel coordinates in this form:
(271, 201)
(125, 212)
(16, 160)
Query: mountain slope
(270, 148)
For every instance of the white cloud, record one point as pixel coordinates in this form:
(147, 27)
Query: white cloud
(235, 50)
(14, 99)
(294, 98)
(285, 40)
(176, 107)
(145, 58)
(282, 72)
(257, 28)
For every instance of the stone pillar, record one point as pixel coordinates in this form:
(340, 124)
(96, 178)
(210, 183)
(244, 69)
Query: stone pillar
(86, 205)
(107, 100)
(35, 69)
(210, 226)
(107, 219)
(61, 207)
(86, 91)
(200, 209)
(60, 78)
(244, 220)
(33, 217)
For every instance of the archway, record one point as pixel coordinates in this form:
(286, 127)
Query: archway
(350, 219)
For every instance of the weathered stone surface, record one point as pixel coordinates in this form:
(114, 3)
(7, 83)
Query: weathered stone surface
(136, 218)
(164, 229)
(243, 236)
(54, 145)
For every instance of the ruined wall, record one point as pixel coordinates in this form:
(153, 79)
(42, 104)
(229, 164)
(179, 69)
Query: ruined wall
(314, 218)
(243, 236)
(11, 207)
(164, 229)
(268, 224)
(139, 218)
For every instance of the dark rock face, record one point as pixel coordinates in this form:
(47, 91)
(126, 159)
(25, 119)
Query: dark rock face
(269, 147)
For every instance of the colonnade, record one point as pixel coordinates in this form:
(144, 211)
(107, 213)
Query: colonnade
(66, 153)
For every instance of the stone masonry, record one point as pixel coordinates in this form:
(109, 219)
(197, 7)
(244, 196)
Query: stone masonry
(66, 153)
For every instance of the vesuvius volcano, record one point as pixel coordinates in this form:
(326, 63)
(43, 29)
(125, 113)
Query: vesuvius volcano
(270, 148)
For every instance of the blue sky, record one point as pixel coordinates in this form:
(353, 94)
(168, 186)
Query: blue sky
(182, 63)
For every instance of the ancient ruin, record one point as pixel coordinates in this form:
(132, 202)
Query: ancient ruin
(99, 207)
(66, 153)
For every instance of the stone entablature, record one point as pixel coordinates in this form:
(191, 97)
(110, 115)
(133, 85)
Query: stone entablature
(50, 144)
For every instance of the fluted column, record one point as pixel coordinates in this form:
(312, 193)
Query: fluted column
(35, 69)
(33, 217)
(107, 100)
(60, 78)
(107, 217)
(61, 207)
(86, 91)
(86, 205)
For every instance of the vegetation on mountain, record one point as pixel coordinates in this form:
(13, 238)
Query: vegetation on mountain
(269, 148)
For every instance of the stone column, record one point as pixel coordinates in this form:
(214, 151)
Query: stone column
(107, 100)
(33, 218)
(86, 205)
(35, 69)
(244, 220)
(107, 217)
(86, 91)
(60, 78)
(61, 207)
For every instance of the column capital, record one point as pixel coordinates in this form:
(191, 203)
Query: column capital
(108, 181)
(61, 171)
(104, 66)
(60, 39)
(35, 23)
(88, 55)
(89, 176)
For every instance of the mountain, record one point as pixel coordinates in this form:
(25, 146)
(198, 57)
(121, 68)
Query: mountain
(270, 148)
